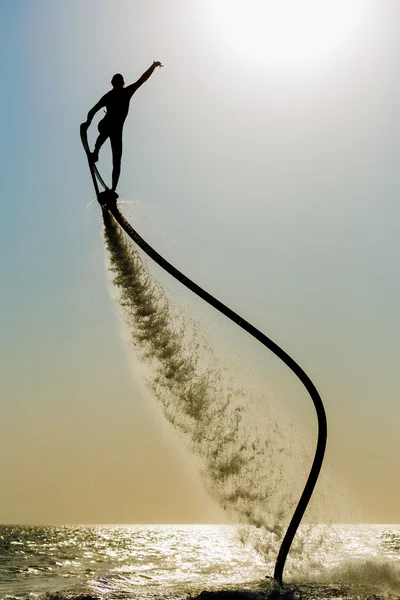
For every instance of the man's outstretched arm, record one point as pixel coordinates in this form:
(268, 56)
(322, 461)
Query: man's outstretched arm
(134, 86)
(101, 103)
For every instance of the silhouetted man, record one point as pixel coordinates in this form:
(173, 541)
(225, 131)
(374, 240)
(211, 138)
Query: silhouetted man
(116, 101)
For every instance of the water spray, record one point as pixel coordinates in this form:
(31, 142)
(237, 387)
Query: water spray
(279, 352)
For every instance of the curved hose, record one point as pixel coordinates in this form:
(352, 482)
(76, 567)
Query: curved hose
(297, 370)
(230, 314)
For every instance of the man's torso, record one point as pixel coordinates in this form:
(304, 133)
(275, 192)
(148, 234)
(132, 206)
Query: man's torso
(117, 105)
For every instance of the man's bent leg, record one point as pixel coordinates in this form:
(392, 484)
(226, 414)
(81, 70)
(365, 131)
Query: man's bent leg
(103, 135)
(116, 148)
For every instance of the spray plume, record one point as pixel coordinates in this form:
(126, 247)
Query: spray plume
(196, 399)
(230, 460)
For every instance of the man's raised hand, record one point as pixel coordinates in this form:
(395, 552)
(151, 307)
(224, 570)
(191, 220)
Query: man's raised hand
(156, 63)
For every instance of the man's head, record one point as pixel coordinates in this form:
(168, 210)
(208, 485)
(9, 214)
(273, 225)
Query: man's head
(117, 81)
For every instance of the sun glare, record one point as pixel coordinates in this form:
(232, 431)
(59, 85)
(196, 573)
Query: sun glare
(291, 33)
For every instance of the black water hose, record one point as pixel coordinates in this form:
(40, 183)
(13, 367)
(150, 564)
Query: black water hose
(297, 370)
(230, 314)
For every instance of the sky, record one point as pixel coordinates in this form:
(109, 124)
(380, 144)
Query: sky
(261, 161)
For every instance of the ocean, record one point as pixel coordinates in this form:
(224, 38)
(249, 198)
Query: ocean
(176, 561)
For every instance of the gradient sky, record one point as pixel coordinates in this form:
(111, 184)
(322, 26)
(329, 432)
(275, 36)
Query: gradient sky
(263, 162)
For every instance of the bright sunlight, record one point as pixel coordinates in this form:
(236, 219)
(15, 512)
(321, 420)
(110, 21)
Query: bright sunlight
(291, 34)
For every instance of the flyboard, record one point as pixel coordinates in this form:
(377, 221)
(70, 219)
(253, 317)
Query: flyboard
(105, 196)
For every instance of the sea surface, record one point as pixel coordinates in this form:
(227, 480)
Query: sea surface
(175, 561)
